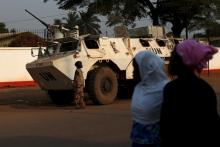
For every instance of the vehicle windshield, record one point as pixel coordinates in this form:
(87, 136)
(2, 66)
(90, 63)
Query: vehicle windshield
(68, 46)
(51, 49)
(56, 47)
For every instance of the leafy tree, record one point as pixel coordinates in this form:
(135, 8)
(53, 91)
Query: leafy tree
(72, 20)
(13, 30)
(3, 28)
(181, 14)
(186, 14)
(57, 22)
(128, 9)
(217, 12)
(212, 29)
(67, 4)
(87, 22)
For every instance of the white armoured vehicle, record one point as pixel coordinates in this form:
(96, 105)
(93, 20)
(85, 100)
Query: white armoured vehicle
(107, 63)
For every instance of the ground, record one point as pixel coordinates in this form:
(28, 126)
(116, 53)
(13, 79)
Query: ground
(28, 118)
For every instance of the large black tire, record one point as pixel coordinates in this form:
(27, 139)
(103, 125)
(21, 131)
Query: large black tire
(102, 85)
(61, 97)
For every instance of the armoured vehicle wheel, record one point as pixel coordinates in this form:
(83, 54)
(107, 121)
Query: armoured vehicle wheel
(59, 97)
(102, 85)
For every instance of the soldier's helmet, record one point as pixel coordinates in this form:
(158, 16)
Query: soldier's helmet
(78, 64)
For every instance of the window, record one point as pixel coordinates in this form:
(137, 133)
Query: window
(161, 43)
(68, 46)
(50, 50)
(91, 44)
(144, 43)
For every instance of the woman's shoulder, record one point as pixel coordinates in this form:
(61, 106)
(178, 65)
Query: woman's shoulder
(204, 84)
(173, 83)
(196, 82)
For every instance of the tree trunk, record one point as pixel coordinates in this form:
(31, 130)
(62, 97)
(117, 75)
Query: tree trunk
(176, 31)
(155, 18)
(177, 27)
(154, 12)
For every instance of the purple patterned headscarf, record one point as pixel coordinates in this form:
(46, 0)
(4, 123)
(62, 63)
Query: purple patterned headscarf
(195, 55)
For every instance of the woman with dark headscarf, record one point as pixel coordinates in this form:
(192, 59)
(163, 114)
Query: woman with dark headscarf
(189, 114)
(147, 98)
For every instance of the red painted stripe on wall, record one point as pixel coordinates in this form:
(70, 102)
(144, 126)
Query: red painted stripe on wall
(211, 71)
(17, 84)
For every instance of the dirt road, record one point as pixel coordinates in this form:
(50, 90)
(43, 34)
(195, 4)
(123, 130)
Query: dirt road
(28, 118)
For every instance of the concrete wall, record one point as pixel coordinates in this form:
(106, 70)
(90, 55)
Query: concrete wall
(13, 65)
(214, 64)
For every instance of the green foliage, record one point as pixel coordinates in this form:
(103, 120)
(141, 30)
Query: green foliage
(189, 14)
(13, 30)
(3, 28)
(213, 30)
(67, 4)
(127, 10)
(87, 22)
(217, 7)
(57, 22)
(72, 19)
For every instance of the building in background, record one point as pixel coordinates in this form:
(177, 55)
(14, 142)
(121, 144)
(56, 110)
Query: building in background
(149, 31)
(21, 39)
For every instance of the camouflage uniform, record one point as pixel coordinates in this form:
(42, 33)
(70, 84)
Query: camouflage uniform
(78, 86)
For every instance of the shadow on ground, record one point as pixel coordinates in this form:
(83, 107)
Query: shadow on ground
(33, 96)
(37, 141)
(24, 95)
(30, 97)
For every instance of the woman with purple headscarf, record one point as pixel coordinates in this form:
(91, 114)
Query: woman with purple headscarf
(189, 115)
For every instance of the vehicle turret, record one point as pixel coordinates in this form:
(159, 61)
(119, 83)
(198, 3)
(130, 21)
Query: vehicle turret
(56, 31)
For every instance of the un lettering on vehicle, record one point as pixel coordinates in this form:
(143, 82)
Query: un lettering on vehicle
(155, 50)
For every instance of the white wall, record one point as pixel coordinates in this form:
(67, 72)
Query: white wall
(215, 62)
(13, 64)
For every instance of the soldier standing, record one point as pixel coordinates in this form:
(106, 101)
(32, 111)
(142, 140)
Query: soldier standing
(78, 86)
